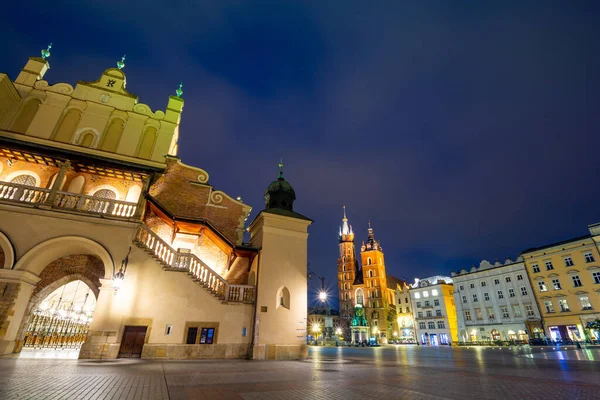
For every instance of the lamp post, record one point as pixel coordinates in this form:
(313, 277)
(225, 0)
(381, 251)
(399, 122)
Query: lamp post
(316, 328)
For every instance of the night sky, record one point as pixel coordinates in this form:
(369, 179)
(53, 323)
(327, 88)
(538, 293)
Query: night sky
(463, 132)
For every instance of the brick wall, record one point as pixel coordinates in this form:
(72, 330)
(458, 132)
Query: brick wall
(85, 265)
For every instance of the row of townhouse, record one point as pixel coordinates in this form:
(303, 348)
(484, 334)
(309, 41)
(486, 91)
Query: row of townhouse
(549, 293)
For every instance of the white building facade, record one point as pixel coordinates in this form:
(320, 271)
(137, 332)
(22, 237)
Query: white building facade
(434, 311)
(496, 303)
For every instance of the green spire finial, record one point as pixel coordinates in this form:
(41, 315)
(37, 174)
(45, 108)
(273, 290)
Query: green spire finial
(46, 52)
(280, 169)
(179, 90)
(121, 63)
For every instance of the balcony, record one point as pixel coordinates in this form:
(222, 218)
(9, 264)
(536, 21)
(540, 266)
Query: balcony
(47, 198)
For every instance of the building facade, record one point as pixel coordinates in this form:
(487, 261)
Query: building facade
(495, 302)
(365, 284)
(566, 283)
(404, 331)
(110, 244)
(434, 311)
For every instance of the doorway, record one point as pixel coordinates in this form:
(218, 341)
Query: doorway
(133, 342)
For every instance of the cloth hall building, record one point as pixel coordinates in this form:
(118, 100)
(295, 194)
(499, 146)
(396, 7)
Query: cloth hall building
(110, 244)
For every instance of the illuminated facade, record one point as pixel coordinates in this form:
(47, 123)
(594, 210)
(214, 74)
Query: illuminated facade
(405, 328)
(434, 311)
(92, 194)
(566, 283)
(366, 285)
(495, 302)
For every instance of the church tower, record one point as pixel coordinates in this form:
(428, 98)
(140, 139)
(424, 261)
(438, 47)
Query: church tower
(375, 285)
(347, 270)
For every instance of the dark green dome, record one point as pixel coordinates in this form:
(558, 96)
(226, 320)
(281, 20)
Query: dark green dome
(280, 194)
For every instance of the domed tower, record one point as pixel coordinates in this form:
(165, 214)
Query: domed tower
(281, 234)
(347, 270)
(280, 194)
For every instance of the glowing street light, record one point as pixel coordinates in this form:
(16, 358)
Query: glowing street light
(323, 296)
(316, 328)
(120, 276)
(338, 331)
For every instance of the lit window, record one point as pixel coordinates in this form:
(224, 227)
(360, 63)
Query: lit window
(23, 179)
(589, 257)
(549, 306)
(426, 294)
(563, 305)
(585, 303)
(468, 315)
(556, 284)
(434, 292)
(417, 296)
(490, 312)
(478, 313)
(549, 265)
(523, 291)
(536, 268)
(576, 280)
(542, 286)
(568, 262)
(517, 311)
(500, 294)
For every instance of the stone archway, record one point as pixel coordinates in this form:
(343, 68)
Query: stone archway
(83, 267)
(41, 266)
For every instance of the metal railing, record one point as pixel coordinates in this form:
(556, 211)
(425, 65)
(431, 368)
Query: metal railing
(190, 263)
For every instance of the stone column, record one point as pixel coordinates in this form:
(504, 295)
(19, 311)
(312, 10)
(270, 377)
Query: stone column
(102, 340)
(60, 177)
(139, 211)
(16, 288)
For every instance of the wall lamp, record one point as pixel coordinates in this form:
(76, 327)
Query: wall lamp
(120, 276)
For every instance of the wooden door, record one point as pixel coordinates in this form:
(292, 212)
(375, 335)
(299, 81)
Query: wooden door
(132, 342)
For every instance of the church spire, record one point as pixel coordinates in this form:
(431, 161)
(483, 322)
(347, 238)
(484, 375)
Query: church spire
(346, 233)
(371, 243)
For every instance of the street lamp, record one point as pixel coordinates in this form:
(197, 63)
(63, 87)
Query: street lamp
(316, 328)
(323, 296)
(120, 276)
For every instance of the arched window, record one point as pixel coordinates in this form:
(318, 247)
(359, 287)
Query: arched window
(283, 298)
(146, 145)
(133, 194)
(369, 261)
(370, 274)
(86, 139)
(67, 126)
(105, 194)
(112, 135)
(24, 179)
(25, 116)
(360, 296)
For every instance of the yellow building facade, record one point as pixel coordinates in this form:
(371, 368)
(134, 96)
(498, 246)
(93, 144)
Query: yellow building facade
(565, 277)
(112, 246)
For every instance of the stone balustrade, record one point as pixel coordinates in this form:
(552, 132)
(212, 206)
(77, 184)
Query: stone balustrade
(23, 194)
(16, 193)
(196, 268)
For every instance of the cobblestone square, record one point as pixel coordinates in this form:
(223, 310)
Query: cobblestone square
(329, 373)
